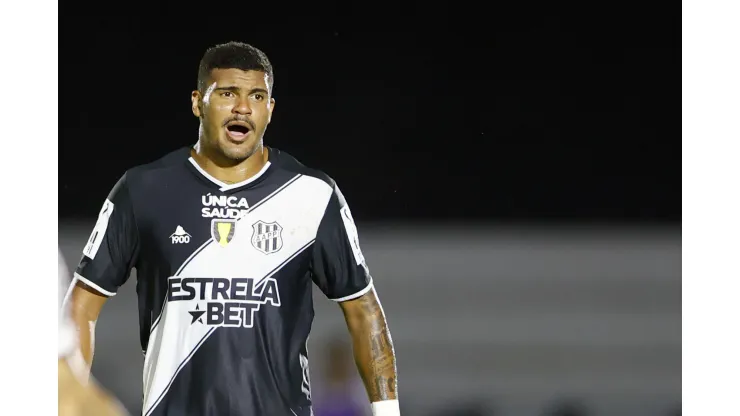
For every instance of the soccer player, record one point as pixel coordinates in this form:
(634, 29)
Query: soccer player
(227, 237)
(76, 398)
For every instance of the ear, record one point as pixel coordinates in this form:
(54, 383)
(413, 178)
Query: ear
(195, 100)
(271, 108)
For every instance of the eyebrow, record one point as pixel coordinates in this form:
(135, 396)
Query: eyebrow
(235, 89)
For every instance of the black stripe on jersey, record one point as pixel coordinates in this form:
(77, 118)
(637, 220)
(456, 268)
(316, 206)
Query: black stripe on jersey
(185, 361)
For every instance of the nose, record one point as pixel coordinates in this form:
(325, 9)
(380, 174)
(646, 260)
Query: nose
(242, 106)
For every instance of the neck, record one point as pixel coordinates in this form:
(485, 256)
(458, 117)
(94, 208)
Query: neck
(230, 171)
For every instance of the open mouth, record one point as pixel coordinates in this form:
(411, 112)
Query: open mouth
(238, 130)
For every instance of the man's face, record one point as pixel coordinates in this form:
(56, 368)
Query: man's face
(234, 112)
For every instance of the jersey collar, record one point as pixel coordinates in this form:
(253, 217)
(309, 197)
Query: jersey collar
(225, 187)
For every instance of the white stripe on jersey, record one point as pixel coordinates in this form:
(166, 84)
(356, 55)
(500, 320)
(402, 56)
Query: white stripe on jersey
(298, 208)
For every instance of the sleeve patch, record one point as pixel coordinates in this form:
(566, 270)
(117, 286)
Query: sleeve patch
(354, 241)
(93, 244)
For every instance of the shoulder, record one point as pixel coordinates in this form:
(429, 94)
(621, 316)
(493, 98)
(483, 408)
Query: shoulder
(147, 174)
(288, 162)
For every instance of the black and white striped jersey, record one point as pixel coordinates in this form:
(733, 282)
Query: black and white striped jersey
(224, 279)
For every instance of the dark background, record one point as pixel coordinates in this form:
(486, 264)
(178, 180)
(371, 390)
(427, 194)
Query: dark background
(421, 112)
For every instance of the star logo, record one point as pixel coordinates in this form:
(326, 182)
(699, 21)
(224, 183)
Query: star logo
(196, 314)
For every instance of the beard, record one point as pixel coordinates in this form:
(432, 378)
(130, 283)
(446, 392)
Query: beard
(242, 152)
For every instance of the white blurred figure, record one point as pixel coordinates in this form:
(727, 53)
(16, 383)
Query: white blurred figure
(77, 397)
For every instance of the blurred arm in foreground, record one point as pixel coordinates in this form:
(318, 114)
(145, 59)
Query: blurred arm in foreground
(86, 304)
(81, 399)
(78, 394)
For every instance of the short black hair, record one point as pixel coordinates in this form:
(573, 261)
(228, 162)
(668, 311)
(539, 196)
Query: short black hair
(236, 55)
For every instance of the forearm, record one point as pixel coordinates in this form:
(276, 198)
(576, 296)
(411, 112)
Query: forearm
(373, 349)
(85, 315)
(86, 337)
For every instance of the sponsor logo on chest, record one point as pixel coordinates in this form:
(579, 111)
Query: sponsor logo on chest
(224, 206)
(217, 302)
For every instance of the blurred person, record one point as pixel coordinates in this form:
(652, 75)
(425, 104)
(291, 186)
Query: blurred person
(76, 397)
(227, 237)
(339, 395)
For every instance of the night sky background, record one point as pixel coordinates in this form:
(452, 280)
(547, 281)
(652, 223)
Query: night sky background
(423, 112)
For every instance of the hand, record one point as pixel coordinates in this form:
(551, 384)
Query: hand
(91, 401)
(84, 399)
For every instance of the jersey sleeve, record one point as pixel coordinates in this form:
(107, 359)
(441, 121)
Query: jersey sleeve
(338, 265)
(111, 250)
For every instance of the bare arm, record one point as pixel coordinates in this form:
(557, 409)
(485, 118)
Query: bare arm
(372, 346)
(78, 399)
(85, 306)
(80, 394)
